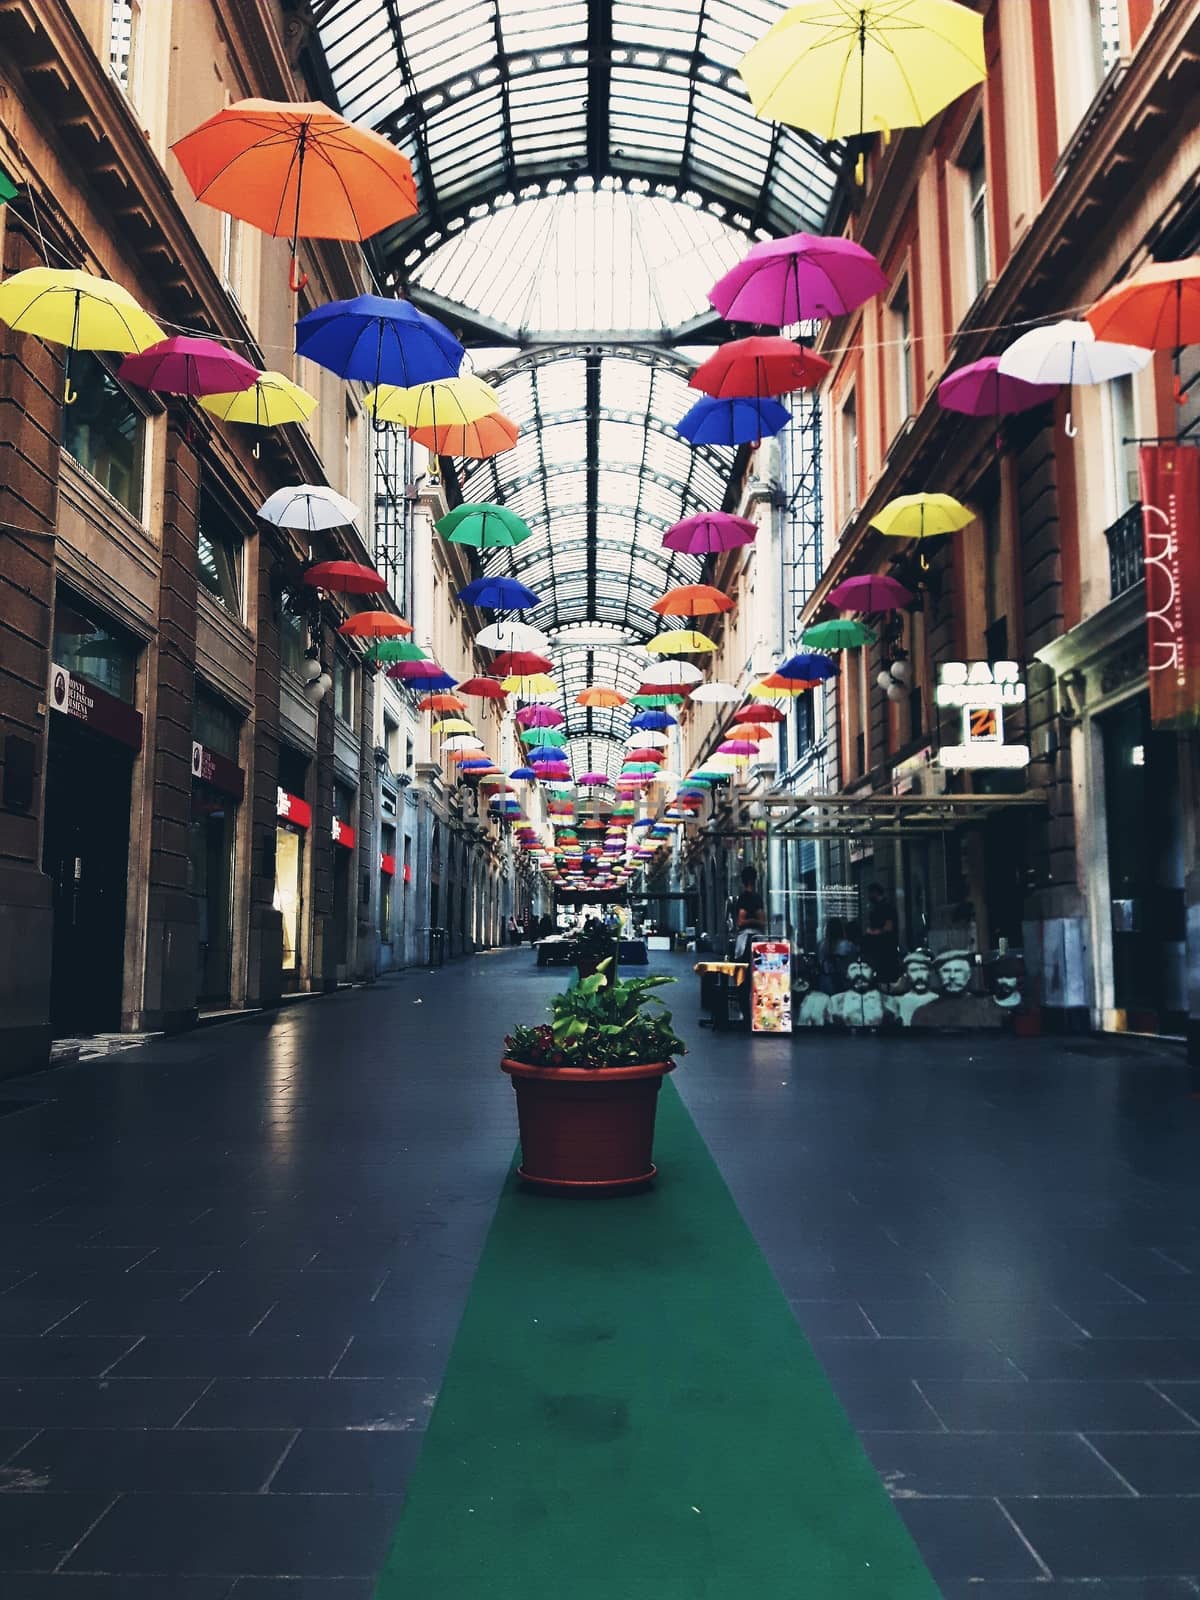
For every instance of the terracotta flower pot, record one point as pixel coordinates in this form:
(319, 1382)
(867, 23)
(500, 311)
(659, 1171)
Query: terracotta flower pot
(585, 1128)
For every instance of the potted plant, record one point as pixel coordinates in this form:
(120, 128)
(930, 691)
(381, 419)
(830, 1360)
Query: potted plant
(587, 1084)
(594, 945)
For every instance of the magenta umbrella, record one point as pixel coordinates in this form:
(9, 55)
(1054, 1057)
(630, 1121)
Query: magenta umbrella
(426, 672)
(982, 390)
(737, 747)
(708, 531)
(183, 365)
(540, 717)
(872, 592)
(798, 279)
(593, 778)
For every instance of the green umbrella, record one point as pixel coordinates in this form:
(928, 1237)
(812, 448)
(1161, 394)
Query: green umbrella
(844, 633)
(656, 702)
(484, 526)
(396, 650)
(551, 736)
(8, 189)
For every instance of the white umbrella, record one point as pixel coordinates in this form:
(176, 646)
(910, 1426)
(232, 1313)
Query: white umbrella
(1069, 352)
(512, 636)
(648, 738)
(462, 741)
(716, 693)
(310, 506)
(672, 672)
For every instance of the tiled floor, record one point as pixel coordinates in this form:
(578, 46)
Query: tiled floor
(231, 1265)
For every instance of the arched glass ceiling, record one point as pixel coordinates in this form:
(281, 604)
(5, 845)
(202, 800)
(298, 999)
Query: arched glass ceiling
(496, 100)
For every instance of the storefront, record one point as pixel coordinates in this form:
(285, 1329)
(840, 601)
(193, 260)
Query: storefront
(95, 735)
(218, 787)
(291, 837)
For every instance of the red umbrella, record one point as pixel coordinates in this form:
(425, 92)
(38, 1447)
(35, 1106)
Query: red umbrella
(520, 664)
(345, 577)
(645, 755)
(763, 365)
(185, 365)
(483, 688)
(759, 713)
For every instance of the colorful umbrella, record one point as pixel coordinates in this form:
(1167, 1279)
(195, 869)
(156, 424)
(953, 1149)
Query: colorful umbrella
(75, 309)
(807, 668)
(871, 592)
(479, 441)
(646, 737)
(440, 702)
(407, 672)
(444, 402)
(757, 731)
(483, 689)
(378, 341)
(656, 720)
(778, 688)
(733, 421)
(672, 671)
(375, 625)
(1157, 308)
(681, 642)
(270, 401)
(982, 390)
(385, 650)
(310, 506)
(542, 734)
(593, 780)
(343, 577)
(767, 364)
(512, 635)
(802, 278)
(523, 774)
(709, 531)
(737, 747)
(483, 526)
(921, 516)
(655, 702)
(599, 698)
(540, 717)
(1069, 353)
(692, 600)
(453, 725)
(520, 663)
(189, 366)
(297, 170)
(843, 633)
(715, 693)
(498, 594)
(531, 686)
(646, 752)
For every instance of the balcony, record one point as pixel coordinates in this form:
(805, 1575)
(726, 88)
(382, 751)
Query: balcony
(1125, 551)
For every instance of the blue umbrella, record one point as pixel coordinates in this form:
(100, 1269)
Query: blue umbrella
(644, 822)
(547, 752)
(523, 772)
(498, 594)
(477, 762)
(655, 720)
(379, 341)
(733, 421)
(808, 666)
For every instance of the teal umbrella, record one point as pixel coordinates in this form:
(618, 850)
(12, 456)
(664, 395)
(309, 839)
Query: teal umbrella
(483, 526)
(843, 633)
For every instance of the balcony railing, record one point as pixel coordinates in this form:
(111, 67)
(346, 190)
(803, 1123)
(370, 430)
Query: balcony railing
(1125, 551)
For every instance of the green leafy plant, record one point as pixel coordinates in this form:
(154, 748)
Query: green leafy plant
(601, 1022)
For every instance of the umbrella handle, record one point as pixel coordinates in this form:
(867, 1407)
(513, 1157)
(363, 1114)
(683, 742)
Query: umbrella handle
(257, 452)
(1069, 428)
(295, 284)
(70, 395)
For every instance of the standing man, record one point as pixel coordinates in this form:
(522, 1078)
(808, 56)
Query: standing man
(881, 942)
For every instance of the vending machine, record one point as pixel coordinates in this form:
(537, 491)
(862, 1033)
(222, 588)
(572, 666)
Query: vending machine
(771, 986)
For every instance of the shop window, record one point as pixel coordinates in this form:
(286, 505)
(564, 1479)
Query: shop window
(345, 688)
(219, 554)
(973, 161)
(96, 650)
(105, 432)
(900, 339)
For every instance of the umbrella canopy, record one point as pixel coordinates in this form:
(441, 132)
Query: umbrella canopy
(921, 516)
(802, 278)
(422, 672)
(599, 698)
(375, 625)
(845, 69)
(593, 780)
(462, 741)
(871, 592)
(540, 717)
(310, 506)
(522, 774)
(452, 725)
(379, 341)
(672, 671)
(479, 441)
(1069, 352)
(758, 731)
(270, 401)
(681, 642)
(540, 733)
(807, 668)
(483, 526)
(343, 577)
(440, 702)
(297, 170)
(776, 687)
(657, 702)
(646, 752)
(737, 747)
(715, 693)
(445, 402)
(498, 594)
(758, 713)
(646, 737)
(186, 365)
(1157, 308)
(843, 633)
(710, 531)
(512, 635)
(765, 365)
(483, 689)
(395, 650)
(656, 720)
(75, 309)
(692, 600)
(982, 390)
(520, 663)
(733, 421)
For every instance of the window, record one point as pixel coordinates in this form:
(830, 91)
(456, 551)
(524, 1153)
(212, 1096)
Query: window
(1123, 488)
(973, 162)
(408, 755)
(105, 432)
(94, 649)
(215, 724)
(1105, 28)
(231, 254)
(849, 456)
(345, 676)
(219, 554)
(391, 743)
(124, 27)
(293, 642)
(900, 338)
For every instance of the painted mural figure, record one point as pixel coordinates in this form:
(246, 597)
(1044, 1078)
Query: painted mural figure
(861, 1005)
(919, 993)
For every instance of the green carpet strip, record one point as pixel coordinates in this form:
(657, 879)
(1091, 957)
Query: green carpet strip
(631, 1410)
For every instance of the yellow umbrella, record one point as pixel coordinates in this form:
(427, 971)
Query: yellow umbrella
(921, 516)
(768, 691)
(534, 686)
(840, 69)
(76, 309)
(680, 642)
(270, 400)
(448, 402)
(452, 725)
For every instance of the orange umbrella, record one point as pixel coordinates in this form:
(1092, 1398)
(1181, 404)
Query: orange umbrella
(1157, 308)
(604, 698)
(490, 436)
(753, 730)
(692, 600)
(375, 625)
(297, 170)
(441, 702)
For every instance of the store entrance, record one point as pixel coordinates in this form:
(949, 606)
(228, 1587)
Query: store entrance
(1144, 812)
(85, 854)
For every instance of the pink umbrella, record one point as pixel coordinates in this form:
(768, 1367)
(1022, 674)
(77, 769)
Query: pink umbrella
(798, 279)
(872, 592)
(183, 365)
(594, 778)
(426, 672)
(982, 390)
(540, 717)
(737, 747)
(709, 531)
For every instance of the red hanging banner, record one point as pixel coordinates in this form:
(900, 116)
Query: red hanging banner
(1170, 487)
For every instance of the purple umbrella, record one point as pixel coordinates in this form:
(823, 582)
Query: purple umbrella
(709, 531)
(183, 365)
(798, 279)
(982, 390)
(872, 592)
(540, 717)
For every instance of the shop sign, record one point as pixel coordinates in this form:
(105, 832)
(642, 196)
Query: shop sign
(771, 986)
(212, 767)
(981, 690)
(387, 864)
(290, 808)
(343, 834)
(1170, 489)
(95, 707)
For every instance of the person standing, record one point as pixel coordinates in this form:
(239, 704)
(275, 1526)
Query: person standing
(881, 941)
(750, 916)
